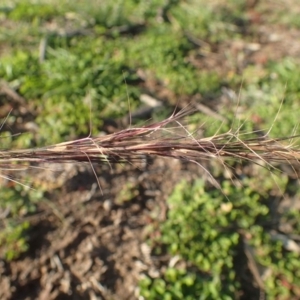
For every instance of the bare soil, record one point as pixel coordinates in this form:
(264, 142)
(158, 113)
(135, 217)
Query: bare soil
(90, 243)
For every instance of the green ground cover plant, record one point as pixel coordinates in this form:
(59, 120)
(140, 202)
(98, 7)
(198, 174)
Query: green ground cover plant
(206, 232)
(78, 63)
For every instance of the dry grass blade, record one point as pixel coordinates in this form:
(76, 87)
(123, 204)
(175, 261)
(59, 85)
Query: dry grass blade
(156, 139)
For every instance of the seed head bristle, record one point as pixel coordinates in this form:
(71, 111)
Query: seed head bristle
(150, 140)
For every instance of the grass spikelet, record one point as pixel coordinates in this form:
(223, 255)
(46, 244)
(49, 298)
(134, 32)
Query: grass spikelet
(157, 139)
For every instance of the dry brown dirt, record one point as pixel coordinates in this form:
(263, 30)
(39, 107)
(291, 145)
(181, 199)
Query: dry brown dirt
(87, 243)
